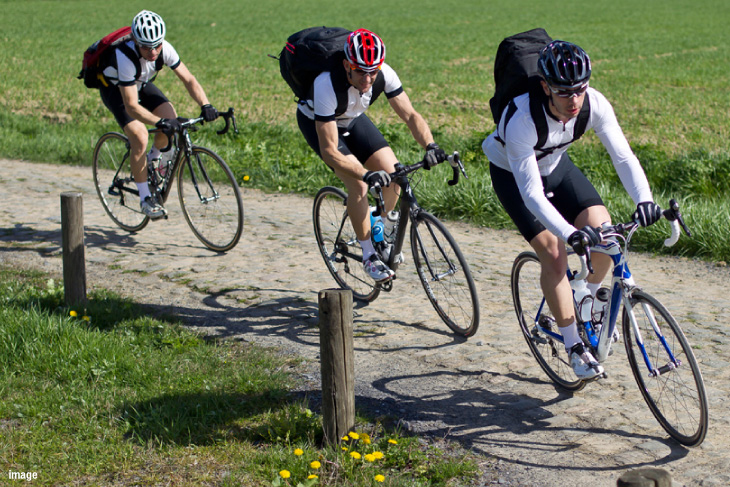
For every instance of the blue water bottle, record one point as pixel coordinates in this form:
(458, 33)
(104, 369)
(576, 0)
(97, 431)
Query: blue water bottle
(376, 225)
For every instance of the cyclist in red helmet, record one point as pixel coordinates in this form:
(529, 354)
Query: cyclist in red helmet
(547, 196)
(350, 144)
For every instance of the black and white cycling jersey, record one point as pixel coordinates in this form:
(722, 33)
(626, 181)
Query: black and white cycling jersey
(124, 71)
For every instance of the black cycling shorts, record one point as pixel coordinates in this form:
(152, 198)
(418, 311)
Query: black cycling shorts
(361, 139)
(566, 188)
(150, 97)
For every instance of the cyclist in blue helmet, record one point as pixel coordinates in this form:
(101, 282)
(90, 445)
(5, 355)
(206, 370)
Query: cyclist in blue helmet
(546, 195)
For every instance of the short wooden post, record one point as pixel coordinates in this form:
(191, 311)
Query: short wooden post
(74, 262)
(645, 477)
(337, 362)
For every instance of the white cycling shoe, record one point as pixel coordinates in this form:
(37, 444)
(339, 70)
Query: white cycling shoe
(375, 268)
(585, 366)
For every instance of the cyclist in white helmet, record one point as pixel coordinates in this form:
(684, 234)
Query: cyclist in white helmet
(135, 101)
(350, 144)
(547, 196)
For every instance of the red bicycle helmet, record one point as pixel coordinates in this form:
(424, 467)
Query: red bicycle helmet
(365, 50)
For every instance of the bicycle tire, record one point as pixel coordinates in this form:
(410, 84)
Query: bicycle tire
(339, 246)
(210, 199)
(531, 308)
(114, 183)
(444, 274)
(677, 397)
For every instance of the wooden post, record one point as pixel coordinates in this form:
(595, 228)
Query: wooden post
(645, 477)
(74, 262)
(337, 362)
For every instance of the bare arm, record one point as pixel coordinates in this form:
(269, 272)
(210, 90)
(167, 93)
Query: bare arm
(415, 122)
(137, 111)
(328, 141)
(191, 84)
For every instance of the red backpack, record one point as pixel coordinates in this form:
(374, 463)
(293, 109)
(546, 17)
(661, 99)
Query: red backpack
(96, 57)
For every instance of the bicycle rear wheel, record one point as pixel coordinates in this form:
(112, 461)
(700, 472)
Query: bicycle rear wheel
(445, 274)
(210, 199)
(114, 182)
(532, 309)
(676, 395)
(338, 244)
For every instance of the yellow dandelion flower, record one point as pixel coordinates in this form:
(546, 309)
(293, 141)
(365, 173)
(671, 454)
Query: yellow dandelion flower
(355, 455)
(246, 177)
(312, 477)
(392, 442)
(378, 454)
(315, 464)
(345, 438)
(344, 448)
(354, 435)
(285, 474)
(370, 457)
(298, 452)
(379, 478)
(86, 318)
(73, 313)
(366, 440)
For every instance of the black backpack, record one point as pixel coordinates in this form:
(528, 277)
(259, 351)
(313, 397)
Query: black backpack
(310, 52)
(516, 73)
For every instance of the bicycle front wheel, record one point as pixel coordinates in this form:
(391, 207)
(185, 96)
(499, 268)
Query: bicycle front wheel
(210, 199)
(114, 182)
(338, 244)
(531, 309)
(445, 274)
(673, 388)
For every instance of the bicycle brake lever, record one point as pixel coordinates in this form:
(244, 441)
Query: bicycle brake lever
(456, 165)
(227, 116)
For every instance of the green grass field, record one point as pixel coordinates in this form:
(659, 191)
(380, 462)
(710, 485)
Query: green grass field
(662, 64)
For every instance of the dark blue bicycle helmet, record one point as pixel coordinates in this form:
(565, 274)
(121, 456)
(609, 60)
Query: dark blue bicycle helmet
(564, 65)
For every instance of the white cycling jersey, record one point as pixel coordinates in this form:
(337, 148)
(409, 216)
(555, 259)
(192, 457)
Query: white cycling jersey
(124, 72)
(518, 156)
(324, 105)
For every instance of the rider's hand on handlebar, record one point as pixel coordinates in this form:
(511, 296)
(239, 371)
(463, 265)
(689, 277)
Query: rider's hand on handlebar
(584, 238)
(376, 178)
(208, 112)
(434, 155)
(169, 126)
(647, 213)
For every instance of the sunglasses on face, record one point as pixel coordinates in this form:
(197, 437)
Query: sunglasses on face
(150, 48)
(360, 72)
(569, 93)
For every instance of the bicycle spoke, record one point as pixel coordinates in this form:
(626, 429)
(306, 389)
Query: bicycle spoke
(665, 369)
(532, 310)
(211, 200)
(339, 246)
(114, 183)
(444, 274)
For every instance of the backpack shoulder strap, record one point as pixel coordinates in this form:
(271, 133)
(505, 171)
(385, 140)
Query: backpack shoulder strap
(539, 118)
(132, 55)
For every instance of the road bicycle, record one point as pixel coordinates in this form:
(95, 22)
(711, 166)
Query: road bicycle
(660, 357)
(440, 264)
(209, 195)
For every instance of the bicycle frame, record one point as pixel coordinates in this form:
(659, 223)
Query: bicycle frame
(622, 285)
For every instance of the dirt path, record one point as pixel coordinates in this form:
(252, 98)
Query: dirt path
(485, 392)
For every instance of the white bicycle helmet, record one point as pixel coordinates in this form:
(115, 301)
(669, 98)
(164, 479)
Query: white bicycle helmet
(148, 29)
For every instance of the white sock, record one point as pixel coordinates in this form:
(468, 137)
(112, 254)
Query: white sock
(593, 287)
(367, 249)
(570, 335)
(154, 153)
(144, 190)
